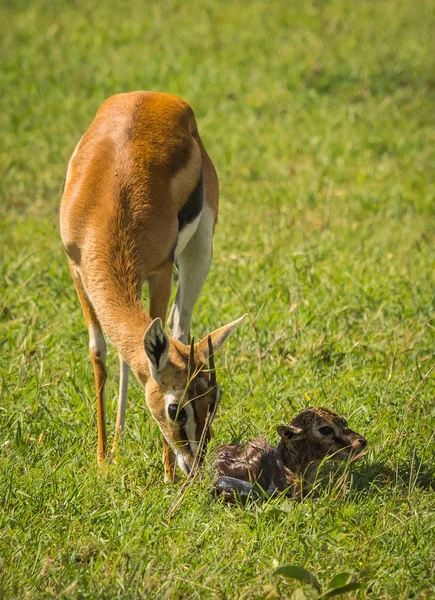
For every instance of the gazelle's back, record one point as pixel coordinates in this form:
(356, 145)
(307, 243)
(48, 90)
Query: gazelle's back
(133, 170)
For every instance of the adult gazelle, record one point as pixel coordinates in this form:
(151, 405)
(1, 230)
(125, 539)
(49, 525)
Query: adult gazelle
(141, 194)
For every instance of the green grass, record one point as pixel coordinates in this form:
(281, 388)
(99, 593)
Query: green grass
(320, 119)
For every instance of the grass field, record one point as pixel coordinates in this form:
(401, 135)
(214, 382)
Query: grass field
(320, 119)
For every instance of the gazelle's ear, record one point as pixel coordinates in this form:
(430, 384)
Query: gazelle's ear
(218, 337)
(156, 344)
(290, 432)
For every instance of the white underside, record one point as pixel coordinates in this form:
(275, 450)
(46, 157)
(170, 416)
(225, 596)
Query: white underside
(186, 234)
(193, 254)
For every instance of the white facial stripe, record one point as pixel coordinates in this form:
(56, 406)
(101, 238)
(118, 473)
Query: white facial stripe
(170, 398)
(189, 427)
(182, 464)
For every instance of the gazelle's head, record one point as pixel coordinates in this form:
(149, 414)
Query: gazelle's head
(182, 392)
(316, 433)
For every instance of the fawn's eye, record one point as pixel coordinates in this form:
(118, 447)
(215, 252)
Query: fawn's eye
(326, 430)
(177, 414)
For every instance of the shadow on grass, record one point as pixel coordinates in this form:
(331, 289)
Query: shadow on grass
(409, 474)
(340, 482)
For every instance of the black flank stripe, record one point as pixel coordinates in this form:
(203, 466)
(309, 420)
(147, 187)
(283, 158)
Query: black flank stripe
(193, 206)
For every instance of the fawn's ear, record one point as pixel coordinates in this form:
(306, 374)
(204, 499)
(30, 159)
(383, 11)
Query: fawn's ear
(156, 344)
(218, 337)
(290, 432)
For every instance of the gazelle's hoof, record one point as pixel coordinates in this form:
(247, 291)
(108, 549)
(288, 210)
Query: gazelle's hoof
(172, 478)
(101, 461)
(113, 457)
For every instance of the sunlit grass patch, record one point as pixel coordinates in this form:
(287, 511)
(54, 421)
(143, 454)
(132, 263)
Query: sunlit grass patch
(319, 117)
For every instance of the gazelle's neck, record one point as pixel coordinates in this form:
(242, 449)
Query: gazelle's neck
(129, 342)
(125, 321)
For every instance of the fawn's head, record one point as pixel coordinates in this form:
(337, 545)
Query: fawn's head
(182, 392)
(316, 433)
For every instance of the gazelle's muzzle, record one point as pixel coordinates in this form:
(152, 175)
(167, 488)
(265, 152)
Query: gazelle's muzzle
(191, 453)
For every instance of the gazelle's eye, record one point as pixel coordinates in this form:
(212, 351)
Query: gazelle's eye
(176, 413)
(326, 430)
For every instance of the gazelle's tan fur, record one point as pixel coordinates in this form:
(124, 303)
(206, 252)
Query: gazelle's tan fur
(141, 194)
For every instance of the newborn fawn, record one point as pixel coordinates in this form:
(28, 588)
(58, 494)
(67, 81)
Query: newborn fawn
(257, 470)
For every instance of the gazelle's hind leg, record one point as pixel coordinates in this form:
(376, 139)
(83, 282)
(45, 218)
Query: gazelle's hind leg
(122, 402)
(194, 264)
(97, 351)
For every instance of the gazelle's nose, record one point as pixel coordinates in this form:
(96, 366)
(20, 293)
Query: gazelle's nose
(363, 442)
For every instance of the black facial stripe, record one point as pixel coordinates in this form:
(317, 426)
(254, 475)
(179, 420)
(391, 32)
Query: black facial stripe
(193, 206)
(183, 435)
(207, 434)
(195, 417)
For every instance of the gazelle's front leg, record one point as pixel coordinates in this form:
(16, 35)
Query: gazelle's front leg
(159, 291)
(194, 264)
(97, 351)
(169, 463)
(160, 284)
(122, 402)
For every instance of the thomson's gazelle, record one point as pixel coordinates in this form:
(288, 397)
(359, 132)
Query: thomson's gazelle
(141, 194)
